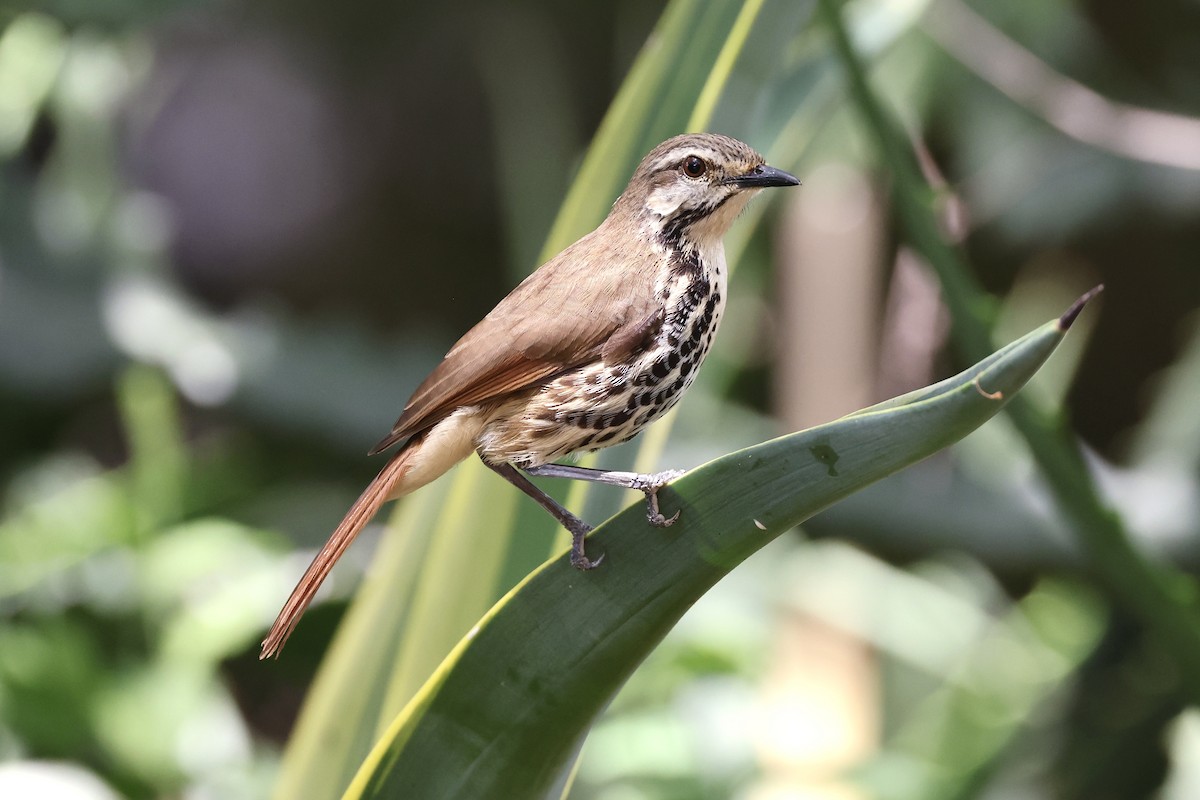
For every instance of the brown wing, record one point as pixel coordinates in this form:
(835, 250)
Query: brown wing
(559, 317)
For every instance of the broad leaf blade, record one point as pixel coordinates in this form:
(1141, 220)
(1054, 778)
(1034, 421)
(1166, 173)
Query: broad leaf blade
(503, 714)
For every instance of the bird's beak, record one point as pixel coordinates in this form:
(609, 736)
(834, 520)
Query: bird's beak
(763, 176)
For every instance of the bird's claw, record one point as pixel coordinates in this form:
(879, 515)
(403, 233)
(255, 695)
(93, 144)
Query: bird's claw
(655, 482)
(657, 519)
(580, 561)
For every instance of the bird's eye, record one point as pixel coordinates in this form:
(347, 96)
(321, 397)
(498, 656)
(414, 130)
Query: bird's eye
(694, 166)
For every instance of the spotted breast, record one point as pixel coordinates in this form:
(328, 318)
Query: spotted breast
(600, 403)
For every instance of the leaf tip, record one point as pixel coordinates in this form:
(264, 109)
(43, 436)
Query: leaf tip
(1064, 322)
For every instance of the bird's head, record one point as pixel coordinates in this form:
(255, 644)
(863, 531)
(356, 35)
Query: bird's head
(690, 188)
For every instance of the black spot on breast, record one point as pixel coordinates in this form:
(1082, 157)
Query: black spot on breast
(621, 417)
(605, 437)
(661, 369)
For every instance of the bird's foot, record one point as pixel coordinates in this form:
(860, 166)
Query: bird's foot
(650, 484)
(579, 560)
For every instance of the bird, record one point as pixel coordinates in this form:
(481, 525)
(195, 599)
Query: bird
(588, 350)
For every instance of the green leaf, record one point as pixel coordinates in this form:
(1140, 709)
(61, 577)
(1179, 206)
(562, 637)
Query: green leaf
(506, 711)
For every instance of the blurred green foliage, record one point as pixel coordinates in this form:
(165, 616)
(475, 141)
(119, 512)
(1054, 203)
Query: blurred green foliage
(234, 237)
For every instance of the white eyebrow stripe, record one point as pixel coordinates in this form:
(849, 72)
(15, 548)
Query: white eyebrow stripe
(673, 157)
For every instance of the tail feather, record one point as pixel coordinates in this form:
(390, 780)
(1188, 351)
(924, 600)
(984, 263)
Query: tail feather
(422, 459)
(378, 492)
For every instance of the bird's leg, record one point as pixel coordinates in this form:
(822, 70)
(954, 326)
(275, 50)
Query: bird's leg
(648, 483)
(574, 525)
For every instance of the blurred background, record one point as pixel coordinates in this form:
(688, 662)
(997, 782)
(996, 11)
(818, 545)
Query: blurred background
(234, 237)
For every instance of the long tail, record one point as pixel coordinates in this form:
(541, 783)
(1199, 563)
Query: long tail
(364, 509)
(420, 461)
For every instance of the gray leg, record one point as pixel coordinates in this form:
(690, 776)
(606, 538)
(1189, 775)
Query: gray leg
(574, 525)
(649, 484)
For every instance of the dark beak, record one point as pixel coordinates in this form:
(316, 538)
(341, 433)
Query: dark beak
(763, 176)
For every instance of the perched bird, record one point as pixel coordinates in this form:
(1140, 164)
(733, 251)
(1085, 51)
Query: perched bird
(589, 349)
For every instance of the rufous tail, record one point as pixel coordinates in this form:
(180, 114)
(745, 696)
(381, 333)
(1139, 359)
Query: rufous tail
(378, 492)
(421, 460)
